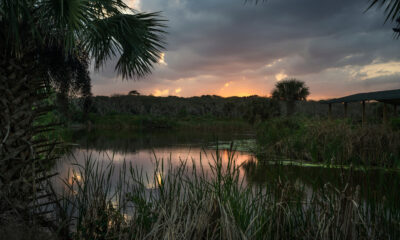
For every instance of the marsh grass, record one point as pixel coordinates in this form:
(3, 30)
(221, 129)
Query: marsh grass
(331, 142)
(210, 200)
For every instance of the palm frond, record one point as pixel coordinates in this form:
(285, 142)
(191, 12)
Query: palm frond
(17, 22)
(137, 39)
(391, 8)
(105, 28)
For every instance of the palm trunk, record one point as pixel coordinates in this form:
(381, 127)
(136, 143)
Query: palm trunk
(21, 167)
(16, 130)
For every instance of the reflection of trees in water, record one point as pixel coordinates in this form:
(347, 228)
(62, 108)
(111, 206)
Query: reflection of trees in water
(132, 141)
(259, 175)
(375, 185)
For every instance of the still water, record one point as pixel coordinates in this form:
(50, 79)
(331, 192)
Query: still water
(144, 149)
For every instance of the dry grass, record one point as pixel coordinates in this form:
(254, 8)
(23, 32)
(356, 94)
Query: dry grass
(189, 202)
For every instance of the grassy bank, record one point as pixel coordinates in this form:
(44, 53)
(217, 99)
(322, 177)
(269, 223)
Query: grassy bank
(331, 142)
(190, 202)
(138, 122)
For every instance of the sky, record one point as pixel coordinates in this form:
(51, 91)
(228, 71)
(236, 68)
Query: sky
(229, 48)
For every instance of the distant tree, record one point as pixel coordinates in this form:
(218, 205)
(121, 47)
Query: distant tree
(261, 109)
(290, 91)
(133, 93)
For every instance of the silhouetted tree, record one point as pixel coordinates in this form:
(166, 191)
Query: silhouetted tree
(290, 91)
(68, 74)
(33, 30)
(134, 93)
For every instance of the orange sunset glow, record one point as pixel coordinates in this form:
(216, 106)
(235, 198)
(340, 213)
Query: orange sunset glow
(218, 59)
(199, 119)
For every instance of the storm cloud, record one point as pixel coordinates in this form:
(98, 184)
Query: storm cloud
(227, 47)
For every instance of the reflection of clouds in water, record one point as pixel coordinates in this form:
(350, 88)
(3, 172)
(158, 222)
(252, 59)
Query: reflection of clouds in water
(157, 181)
(74, 177)
(147, 160)
(302, 179)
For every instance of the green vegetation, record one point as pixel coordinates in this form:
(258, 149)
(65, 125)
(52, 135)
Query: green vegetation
(374, 184)
(331, 142)
(252, 108)
(200, 202)
(149, 112)
(127, 121)
(138, 122)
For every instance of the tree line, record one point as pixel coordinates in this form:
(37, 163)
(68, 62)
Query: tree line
(250, 108)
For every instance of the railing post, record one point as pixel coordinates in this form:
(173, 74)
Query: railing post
(330, 111)
(363, 113)
(385, 115)
(345, 109)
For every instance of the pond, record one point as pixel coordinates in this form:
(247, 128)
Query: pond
(145, 149)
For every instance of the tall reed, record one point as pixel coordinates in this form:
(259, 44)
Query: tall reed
(331, 142)
(211, 200)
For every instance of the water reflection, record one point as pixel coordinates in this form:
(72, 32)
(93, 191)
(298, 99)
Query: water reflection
(375, 185)
(132, 141)
(147, 159)
(145, 150)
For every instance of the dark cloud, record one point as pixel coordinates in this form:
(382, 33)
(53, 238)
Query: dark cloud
(382, 82)
(211, 42)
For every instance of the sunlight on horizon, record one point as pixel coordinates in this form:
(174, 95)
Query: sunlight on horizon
(161, 93)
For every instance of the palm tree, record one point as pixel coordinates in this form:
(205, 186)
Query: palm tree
(290, 90)
(100, 29)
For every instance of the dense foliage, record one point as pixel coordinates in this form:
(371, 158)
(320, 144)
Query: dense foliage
(251, 108)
